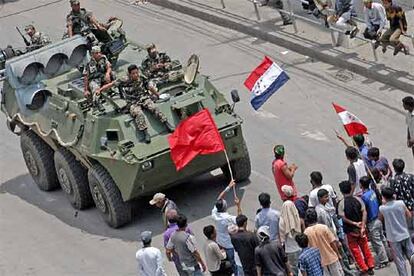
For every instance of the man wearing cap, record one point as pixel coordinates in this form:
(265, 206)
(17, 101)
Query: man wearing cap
(96, 73)
(283, 173)
(270, 258)
(37, 39)
(156, 64)
(137, 91)
(165, 204)
(149, 258)
(79, 18)
(375, 19)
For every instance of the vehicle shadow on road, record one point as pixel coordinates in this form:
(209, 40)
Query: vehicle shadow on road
(195, 199)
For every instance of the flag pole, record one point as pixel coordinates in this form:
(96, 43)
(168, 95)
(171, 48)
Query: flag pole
(231, 172)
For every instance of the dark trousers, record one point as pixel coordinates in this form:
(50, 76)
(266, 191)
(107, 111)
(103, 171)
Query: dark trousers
(371, 33)
(225, 269)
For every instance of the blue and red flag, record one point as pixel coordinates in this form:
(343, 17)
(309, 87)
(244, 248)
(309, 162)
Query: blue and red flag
(264, 81)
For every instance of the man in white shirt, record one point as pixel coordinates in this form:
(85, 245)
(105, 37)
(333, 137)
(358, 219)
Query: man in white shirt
(223, 220)
(356, 169)
(316, 181)
(149, 258)
(375, 19)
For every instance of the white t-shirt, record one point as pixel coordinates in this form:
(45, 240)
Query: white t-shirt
(313, 196)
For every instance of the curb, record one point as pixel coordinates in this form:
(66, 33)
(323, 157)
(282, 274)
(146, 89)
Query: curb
(280, 41)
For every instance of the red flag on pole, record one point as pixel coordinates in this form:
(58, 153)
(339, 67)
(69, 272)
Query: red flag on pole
(195, 135)
(352, 124)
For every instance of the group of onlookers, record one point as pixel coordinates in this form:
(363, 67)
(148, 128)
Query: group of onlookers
(316, 234)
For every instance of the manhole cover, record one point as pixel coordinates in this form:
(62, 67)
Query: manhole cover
(344, 75)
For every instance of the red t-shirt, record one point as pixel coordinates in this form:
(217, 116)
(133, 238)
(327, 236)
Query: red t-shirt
(280, 178)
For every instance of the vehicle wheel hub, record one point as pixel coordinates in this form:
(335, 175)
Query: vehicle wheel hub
(64, 181)
(98, 198)
(31, 163)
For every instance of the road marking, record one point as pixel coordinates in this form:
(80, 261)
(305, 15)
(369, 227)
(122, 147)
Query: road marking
(265, 114)
(316, 135)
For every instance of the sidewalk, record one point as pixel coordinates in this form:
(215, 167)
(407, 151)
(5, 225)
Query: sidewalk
(310, 40)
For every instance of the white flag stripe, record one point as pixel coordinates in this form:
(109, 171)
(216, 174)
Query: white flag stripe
(266, 79)
(347, 118)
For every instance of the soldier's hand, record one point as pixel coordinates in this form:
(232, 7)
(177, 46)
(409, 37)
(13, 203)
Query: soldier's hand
(98, 92)
(86, 93)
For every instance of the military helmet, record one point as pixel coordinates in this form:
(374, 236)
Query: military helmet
(28, 27)
(95, 50)
(74, 2)
(149, 46)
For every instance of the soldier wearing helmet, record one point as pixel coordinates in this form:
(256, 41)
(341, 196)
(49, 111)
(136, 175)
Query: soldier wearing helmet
(156, 64)
(96, 73)
(79, 19)
(37, 39)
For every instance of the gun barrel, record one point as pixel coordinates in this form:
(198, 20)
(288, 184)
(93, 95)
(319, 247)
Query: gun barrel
(24, 38)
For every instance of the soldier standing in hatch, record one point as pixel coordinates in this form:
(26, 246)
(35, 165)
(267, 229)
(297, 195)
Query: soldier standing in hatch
(37, 39)
(136, 90)
(96, 73)
(156, 64)
(78, 18)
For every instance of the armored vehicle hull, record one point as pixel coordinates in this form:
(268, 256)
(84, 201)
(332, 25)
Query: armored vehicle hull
(96, 154)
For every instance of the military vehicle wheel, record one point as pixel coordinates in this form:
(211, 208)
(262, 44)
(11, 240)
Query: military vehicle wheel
(39, 161)
(107, 197)
(241, 167)
(73, 179)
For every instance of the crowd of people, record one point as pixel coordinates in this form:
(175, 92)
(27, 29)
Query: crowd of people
(342, 15)
(322, 233)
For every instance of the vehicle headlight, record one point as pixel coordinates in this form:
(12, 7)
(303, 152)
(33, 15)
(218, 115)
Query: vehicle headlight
(230, 133)
(147, 165)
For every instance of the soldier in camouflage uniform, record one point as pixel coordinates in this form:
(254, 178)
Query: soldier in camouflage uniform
(96, 73)
(136, 90)
(156, 65)
(79, 18)
(37, 39)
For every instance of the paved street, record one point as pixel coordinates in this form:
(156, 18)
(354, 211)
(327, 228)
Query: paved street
(41, 234)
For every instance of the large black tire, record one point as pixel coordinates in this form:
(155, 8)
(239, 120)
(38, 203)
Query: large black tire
(39, 161)
(107, 197)
(73, 179)
(241, 168)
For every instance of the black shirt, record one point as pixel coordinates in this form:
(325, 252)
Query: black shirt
(352, 208)
(271, 258)
(244, 243)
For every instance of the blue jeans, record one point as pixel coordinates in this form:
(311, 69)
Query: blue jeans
(230, 257)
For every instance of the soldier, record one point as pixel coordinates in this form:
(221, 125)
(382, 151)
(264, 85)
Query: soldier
(156, 65)
(37, 39)
(79, 18)
(96, 73)
(137, 90)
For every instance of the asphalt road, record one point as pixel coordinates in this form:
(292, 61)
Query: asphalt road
(42, 235)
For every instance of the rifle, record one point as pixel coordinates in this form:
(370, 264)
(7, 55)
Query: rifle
(24, 38)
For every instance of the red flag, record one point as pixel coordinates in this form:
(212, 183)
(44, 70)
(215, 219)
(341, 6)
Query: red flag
(352, 124)
(195, 135)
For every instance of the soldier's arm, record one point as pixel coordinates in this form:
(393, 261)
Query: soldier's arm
(95, 22)
(69, 26)
(86, 84)
(108, 72)
(106, 87)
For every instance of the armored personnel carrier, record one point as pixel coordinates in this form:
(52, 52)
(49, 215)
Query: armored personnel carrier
(95, 154)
